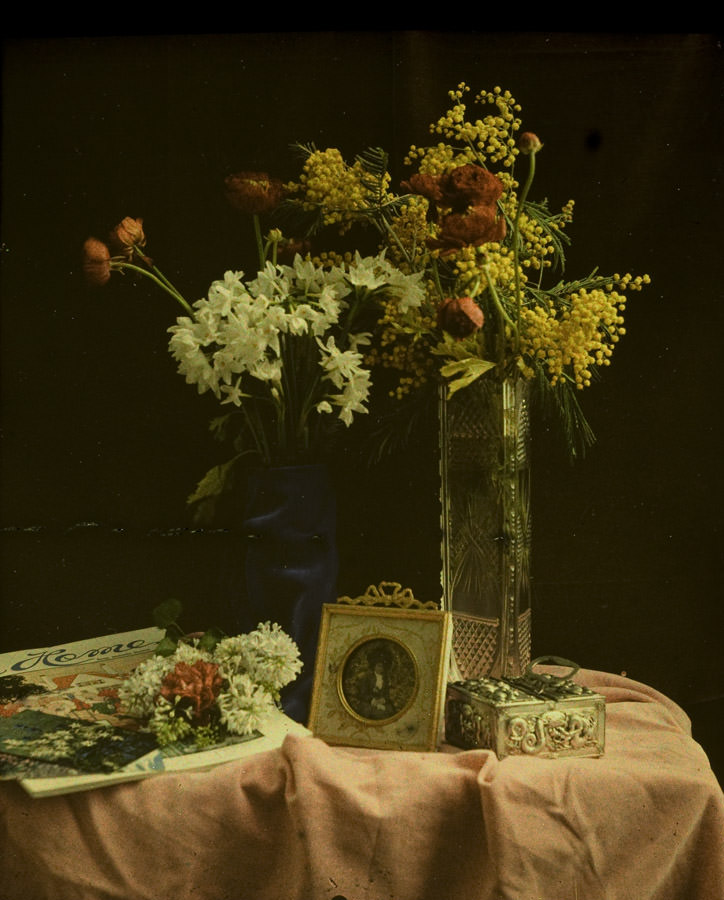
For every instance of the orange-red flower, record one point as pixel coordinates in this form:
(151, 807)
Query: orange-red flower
(529, 143)
(467, 197)
(471, 185)
(253, 192)
(458, 189)
(426, 186)
(198, 684)
(471, 229)
(96, 261)
(127, 235)
(460, 316)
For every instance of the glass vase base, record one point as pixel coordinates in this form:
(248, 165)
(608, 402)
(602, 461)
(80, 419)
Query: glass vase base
(476, 647)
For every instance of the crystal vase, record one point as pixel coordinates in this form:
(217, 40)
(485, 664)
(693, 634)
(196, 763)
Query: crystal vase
(486, 525)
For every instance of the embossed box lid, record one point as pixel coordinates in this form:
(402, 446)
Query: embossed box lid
(535, 714)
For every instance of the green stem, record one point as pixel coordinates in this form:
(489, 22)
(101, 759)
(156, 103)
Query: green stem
(161, 282)
(500, 349)
(256, 428)
(259, 240)
(393, 236)
(496, 300)
(516, 243)
(436, 277)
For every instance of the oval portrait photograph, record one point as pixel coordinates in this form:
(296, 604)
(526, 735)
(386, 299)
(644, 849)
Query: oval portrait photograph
(378, 679)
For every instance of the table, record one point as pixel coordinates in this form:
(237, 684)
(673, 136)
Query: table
(314, 822)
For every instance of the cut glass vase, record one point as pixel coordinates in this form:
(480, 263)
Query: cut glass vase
(486, 525)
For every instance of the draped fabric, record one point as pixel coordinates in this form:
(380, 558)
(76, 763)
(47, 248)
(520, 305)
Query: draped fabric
(314, 822)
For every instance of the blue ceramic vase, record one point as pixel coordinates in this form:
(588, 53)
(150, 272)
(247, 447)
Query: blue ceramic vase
(291, 562)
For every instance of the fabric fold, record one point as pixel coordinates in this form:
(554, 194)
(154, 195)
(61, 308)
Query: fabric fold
(309, 821)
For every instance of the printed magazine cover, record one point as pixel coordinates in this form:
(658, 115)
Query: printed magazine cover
(62, 728)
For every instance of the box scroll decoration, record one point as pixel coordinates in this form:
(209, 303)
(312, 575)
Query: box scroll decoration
(535, 714)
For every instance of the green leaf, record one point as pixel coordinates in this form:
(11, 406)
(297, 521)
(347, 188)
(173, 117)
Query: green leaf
(218, 426)
(167, 613)
(167, 647)
(210, 638)
(464, 372)
(214, 482)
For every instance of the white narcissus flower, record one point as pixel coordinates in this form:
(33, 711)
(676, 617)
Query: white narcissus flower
(245, 332)
(232, 393)
(370, 272)
(408, 289)
(354, 396)
(339, 365)
(268, 371)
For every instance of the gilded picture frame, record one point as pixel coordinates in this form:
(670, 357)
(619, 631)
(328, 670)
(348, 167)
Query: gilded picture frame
(380, 677)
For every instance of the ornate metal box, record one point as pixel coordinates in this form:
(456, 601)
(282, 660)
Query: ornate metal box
(536, 714)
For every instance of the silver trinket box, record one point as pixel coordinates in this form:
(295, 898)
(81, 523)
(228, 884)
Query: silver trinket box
(535, 714)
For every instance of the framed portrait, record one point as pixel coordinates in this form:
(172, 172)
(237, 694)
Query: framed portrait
(380, 677)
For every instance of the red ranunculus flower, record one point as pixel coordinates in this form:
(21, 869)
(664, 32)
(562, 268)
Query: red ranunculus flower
(471, 185)
(458, 189)
(127, 234)
(471, 229)
(460, 316)
(199, 684)
(529, 143)
(253, 192)
(426, 186)
(96, 261)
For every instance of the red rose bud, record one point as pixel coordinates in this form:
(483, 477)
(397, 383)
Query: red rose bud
(529, 143)
(96, 262)
(460, 316)
(253, 192)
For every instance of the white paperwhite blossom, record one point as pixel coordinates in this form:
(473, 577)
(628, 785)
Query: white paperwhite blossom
(345, 371)
(408, 289)
(369, 271)
(243, 335)
(339, 365)
(353, 398)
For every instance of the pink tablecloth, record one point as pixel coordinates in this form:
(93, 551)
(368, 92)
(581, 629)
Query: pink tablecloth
(311, 822)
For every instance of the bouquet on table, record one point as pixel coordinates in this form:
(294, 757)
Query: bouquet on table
(211, 687)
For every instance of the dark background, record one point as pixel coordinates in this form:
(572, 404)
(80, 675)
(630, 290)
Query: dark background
(102, 440)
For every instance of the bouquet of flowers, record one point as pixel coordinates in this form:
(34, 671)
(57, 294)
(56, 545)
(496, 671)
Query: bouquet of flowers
(283, 351)
(465, 223)
(212, 687)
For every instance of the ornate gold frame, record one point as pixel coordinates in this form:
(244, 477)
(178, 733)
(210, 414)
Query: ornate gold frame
(386, 622)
